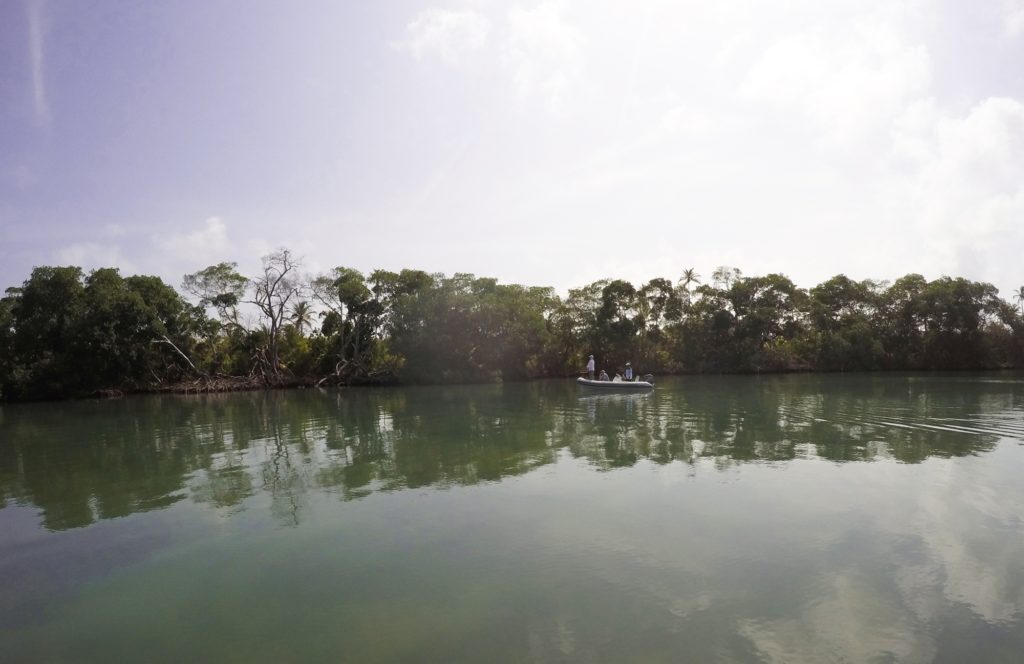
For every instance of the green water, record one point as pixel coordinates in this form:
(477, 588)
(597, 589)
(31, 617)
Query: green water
(784, 519)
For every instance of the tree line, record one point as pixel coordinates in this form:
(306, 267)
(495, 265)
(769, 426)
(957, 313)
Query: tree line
(67, 333)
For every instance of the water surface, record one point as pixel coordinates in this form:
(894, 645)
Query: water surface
(747, 519)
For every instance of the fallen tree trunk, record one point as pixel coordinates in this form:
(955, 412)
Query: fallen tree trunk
(164, 340)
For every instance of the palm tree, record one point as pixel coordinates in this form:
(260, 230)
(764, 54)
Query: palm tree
(302, 315)
(690, 276)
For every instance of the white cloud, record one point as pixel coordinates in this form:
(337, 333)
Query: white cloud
(165, 255)
(169, 256)
(206, 243)
(805, 137)
(543, 53)
(969, 190)
(446, 34)
(850, 85)
(683, 120)
(175, 254)
(92, 255)
(741, 133)
(1015, 18)
(912, 134)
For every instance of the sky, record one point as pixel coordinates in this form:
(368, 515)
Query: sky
(546, 143)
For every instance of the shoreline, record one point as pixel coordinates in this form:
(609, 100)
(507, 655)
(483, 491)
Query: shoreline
(229, 384)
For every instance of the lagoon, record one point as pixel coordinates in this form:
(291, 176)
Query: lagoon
(869, 517)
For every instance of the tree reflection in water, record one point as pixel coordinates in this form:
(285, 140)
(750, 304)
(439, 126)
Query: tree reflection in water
(79, 462)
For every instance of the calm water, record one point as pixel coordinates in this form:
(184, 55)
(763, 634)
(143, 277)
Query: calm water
(783, 519)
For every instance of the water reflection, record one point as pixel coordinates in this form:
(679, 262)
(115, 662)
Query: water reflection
(87, 461)
(839, 418)
(796, 519)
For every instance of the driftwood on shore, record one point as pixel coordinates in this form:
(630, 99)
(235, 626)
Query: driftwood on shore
(262, 381)
(209, 384)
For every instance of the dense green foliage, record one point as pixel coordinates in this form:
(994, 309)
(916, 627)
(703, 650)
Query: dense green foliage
(66, 333)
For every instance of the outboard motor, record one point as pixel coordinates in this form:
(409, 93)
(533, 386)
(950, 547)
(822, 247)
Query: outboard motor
(649, 378)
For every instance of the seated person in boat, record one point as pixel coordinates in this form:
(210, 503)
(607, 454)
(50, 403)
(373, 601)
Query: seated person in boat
(604, 375)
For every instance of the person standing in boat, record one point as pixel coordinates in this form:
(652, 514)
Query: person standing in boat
(590, 367)
(629, 372)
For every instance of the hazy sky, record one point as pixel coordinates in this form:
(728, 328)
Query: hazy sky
(547, 143)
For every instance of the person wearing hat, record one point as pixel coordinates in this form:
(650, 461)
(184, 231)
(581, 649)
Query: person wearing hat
(590, 367)
(629, 372)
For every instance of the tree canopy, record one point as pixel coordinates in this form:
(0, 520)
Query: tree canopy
(64, 332)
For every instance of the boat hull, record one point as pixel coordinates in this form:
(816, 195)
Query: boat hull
(612, 386)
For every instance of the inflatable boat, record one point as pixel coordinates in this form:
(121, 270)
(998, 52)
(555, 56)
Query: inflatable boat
(614, 385)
